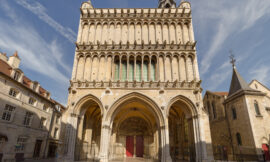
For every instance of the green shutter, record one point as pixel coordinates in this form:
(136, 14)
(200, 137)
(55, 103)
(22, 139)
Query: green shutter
(138, 71)
(145, 71)
(131, 71)
(117, 67)
(124, 70)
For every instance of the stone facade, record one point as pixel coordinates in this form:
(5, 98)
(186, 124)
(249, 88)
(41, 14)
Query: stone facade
(29, 117)
(242, 133)
(135, 87)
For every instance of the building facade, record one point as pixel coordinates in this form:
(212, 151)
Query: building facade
(30, 120)
(135, 88)
(239, 120)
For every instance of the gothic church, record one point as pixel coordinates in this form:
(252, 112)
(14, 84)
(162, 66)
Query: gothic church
(135, 89)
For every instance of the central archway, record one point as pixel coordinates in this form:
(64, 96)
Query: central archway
(136, 128)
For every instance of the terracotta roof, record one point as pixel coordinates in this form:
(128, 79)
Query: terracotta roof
(5, 68)
(42, 90)
(221, 93)
(26, 81)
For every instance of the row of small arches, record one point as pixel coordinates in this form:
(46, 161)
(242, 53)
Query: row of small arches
(146, 68)
(169, 33)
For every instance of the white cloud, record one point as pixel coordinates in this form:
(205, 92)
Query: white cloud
(261, 73)
(36, 53)
(231, 18)
(39, 10)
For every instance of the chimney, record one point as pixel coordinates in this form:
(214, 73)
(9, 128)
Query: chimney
(14, 60)
(3, 56)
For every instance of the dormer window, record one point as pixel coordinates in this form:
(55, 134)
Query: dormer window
(32, 101)
(13, 92)
(16, 75)
(46, 108)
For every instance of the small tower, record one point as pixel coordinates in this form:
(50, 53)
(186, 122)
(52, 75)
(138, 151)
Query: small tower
(166, 4)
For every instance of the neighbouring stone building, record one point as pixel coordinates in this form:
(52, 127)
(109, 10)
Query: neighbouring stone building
(239, 120)
(30, 121)
(135, 88)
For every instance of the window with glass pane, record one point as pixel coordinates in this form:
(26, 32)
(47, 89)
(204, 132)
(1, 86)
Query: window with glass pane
(42, 122)
(138, 71)
(239, 139)
(7, 114)
(117, 68)
(21, 143)
(131, 71)
(28, 118)
(13, 92)
(124, 70)
(16, 76)
(153, 70)
(234, 115)
(257, 109)
(145, 70)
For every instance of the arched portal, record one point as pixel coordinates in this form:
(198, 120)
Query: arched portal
(89, 130)
(182, 141)
(135, 129)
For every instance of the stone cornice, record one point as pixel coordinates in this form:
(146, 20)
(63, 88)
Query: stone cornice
(243, 92)
(193, 85)
(84, 47)
(145, 13)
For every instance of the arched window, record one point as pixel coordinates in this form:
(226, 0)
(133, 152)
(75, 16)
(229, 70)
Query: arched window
(214, 110)
(138, 70)
(145, 70)
(124, 70)
(234, 115)
(238, 138)
(117, 68)
(153, 70)
(131, 70)
(257, 109)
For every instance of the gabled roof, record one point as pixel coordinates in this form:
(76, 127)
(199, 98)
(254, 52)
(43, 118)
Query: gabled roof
(238, 83)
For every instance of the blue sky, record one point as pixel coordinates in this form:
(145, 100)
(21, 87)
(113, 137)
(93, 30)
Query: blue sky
(44, 32)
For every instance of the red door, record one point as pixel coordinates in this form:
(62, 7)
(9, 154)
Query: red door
(266, 151)
(129, 146)
(139, 146)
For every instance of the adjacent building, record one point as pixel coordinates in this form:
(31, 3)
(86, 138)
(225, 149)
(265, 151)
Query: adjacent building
(30, 121)
(135, 88)
(239, 120)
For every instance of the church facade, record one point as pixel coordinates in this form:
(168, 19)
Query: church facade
(135, 88)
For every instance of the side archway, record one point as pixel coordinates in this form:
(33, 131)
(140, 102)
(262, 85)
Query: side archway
(181, 113)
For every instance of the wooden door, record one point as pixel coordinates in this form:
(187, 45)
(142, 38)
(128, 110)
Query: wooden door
(129, 146)
(265, 148)
(37, 148)
(139, 146)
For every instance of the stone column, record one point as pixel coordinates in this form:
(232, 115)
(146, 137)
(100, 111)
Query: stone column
(70, 139)
(166, 147)
(104, 143)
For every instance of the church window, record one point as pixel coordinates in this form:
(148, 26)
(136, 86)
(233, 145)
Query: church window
(145, 70)
(234, 115)
(214, 110)
(153, 70)
(257, 109)
(131, 70)
(238, 138)
(117, 68)
(138, 70)
(124, 70)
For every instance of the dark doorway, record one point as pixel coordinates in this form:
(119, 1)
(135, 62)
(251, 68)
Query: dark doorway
(129, 146)
(139, 146)
(52, 149)
(37, 148)
(1, 157)
(19, 157)
(265, 148)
